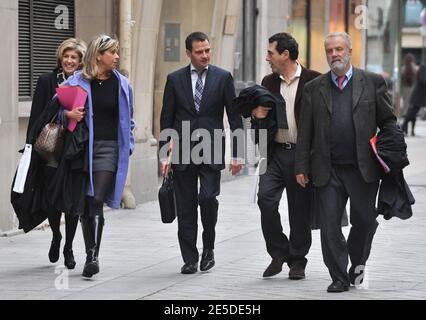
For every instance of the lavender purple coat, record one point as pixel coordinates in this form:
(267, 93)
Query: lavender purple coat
(126, 143)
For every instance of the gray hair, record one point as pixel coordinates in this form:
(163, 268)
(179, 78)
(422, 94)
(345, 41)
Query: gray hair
(343, 35)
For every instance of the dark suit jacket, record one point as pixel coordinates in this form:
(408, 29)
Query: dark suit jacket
(44, 92)
(273, 83)
(372, 108)
(178, 106)
(418, 97)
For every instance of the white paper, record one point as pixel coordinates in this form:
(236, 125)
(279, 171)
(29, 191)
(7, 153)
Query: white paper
(24, 164)
(253, 194)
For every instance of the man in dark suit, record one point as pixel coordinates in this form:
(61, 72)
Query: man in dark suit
(194, 100)
(341, 111)
(286, 82)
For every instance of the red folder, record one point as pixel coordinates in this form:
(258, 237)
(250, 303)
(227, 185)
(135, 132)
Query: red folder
(71, 97)
(373, 142)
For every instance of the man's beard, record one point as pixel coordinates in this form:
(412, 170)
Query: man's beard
(339, 66)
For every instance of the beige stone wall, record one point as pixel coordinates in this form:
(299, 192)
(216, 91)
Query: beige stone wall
(193, 16)
(95, 17)
(144, 176)
(8, 110)
(272, 19)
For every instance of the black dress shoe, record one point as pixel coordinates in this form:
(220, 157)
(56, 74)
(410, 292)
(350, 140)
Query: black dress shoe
(207, 260)
(337, 286)
(54, 250)
(275, 267)
(189, 268)
(297, 271)
(69, 261)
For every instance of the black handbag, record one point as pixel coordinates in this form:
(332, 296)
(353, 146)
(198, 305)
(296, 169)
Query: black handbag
(167, 199)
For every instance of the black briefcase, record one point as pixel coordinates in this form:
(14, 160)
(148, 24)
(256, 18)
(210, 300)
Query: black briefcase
(167, 199)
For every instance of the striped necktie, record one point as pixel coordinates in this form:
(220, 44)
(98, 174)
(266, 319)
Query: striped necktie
(340, 81)
(199, 88)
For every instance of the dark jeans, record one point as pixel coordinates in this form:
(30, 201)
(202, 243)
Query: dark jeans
(346, 182)
(187, 199)
(279, 176)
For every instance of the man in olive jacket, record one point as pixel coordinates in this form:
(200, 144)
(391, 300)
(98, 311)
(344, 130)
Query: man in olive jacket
(341, 111)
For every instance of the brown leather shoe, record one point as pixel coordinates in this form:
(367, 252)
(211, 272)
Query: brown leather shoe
(297, 271)
(275, 267)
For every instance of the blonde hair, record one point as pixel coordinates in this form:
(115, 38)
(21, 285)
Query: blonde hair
(71, 44)
(97, 46)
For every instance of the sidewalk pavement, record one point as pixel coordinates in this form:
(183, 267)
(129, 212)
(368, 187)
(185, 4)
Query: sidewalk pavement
(140, 257)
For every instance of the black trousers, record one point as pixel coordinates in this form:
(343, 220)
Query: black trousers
(279, 176)
(411, 116)
(346, 182)
(187, 199)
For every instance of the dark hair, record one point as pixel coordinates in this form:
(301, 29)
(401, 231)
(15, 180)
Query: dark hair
(286, 42)
(195, 36)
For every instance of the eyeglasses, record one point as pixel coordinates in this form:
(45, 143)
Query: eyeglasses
(104, 40)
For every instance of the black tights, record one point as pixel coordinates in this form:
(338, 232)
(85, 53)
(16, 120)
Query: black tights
(70, 228)
(102, 184)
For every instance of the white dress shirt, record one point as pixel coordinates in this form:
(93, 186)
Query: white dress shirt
(288, 91)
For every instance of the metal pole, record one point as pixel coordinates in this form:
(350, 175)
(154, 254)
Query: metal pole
(423, 49)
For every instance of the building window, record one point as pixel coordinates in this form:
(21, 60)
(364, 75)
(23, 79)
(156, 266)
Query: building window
(412, 11)
(298, 27)
(43, 25)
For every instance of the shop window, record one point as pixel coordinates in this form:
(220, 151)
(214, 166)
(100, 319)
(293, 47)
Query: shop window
(412, 11)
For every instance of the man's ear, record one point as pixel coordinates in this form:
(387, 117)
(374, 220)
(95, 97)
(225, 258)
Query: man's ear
(286, 53)
(188, 53)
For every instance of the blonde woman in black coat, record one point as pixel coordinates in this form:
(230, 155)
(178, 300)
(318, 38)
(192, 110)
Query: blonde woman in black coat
(69, 57)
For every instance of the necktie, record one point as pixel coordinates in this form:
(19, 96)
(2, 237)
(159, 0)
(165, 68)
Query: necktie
(199, 88)
(340, 81)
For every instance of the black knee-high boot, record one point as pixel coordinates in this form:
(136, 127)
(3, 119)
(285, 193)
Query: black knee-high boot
(71, 223)
(92, 232)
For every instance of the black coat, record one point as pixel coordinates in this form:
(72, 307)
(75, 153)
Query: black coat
(395, 198)
(65, 189)
(30, 206)
(255, 96)
(44, 92)
(68, 186)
